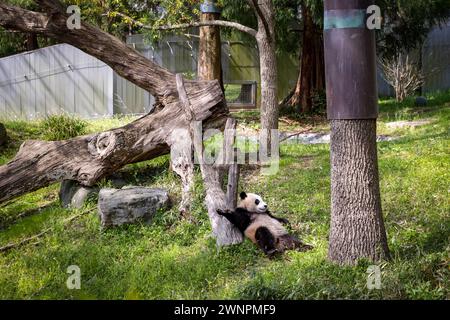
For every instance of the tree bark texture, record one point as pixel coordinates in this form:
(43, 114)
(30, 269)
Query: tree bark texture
(311, 78)
(357, 227)
(209, 51)
(216, 198)
(31, 41)
(89, 158)
(265, 39)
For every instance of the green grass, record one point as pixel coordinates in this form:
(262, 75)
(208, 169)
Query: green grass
(176, 259)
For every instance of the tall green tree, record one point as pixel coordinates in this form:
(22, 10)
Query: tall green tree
(405, 25)
(116, 17)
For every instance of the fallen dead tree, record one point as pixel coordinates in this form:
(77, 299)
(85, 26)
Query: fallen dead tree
(89, 158)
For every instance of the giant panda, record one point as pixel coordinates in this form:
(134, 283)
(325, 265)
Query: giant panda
(255, 221)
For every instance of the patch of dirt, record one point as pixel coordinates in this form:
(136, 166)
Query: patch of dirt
(304, 162)
(250, 173)
(410, 124)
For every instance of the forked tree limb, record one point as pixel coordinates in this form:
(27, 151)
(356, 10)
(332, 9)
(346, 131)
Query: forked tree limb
(223, 230)
(216, 198)
(181, 151)
(255, 6)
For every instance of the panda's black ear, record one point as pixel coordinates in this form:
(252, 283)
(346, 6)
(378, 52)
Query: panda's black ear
(243, 195)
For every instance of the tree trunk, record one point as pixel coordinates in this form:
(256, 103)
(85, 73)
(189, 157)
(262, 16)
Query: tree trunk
(357, 228)
(3, 135)
(126, 61)
(224, 232)
(265, 38)
(311, 77)
(209, 51)
(307, 66)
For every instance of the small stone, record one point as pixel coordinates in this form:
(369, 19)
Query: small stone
(130, 205)
(73, 195)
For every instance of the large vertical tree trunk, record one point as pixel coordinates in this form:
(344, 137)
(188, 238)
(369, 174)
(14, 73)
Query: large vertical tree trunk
(307, 66)
(209, 51)
(210, 68)
(265, 38)
(357, 228)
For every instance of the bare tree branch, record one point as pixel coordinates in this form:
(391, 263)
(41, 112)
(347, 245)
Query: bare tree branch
(114, 52)
(221, 23)
(254, 4)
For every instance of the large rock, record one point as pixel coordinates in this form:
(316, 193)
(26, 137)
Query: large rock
(129, 205)
(3, 135)
(74, 195)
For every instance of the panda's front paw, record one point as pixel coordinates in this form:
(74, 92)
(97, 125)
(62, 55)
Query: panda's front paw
(221, 212)
(284, 221)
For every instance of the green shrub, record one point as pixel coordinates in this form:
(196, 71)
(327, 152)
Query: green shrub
(62, 126)
(319, 101)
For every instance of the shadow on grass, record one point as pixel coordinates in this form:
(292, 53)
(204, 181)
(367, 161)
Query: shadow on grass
(7, 221)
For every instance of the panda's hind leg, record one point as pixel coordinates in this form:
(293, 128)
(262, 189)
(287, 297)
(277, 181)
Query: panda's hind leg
(266, 241)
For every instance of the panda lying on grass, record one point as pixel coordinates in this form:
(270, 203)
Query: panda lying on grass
(256, 222)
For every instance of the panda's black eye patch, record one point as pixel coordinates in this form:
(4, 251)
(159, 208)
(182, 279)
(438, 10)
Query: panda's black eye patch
(256, 201)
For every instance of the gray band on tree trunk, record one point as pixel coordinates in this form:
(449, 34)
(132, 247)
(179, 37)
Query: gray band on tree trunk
(343, 19)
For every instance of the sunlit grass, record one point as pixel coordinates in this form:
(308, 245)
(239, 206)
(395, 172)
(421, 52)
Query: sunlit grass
(174, 258)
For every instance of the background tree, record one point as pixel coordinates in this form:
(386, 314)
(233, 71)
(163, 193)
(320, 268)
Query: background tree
(406, 23)
(404, 28)
(209, 65)
(403, 74)
(264, 14)
(311, 75)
